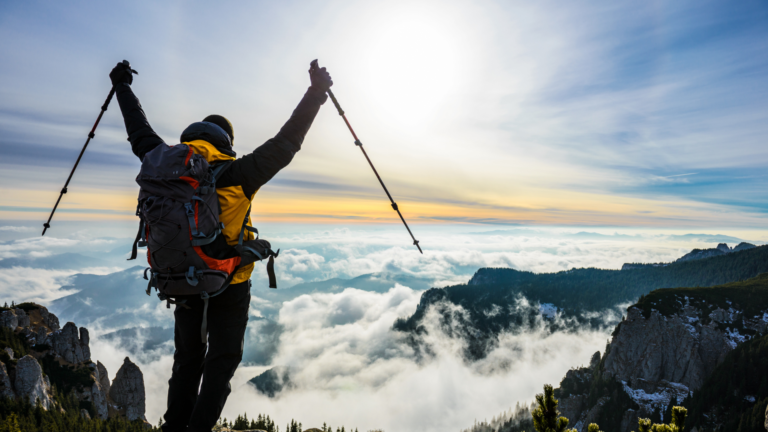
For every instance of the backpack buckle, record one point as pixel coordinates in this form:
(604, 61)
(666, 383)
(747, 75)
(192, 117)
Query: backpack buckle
(191, 276)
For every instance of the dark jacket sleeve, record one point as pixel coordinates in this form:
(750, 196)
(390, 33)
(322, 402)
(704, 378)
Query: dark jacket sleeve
(254, 170)
(141, 135)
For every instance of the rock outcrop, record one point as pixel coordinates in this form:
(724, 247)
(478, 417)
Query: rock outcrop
(30, 384)
(103, 377)
(6, 391)
(668, 345)
(71, 344)
(48, 319)
(39, 331)
(677, 349)
(14, 318)
(127, 391)
(97, 394)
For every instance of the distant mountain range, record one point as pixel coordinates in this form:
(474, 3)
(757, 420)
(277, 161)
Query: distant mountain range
(64, 261)
(573, 292)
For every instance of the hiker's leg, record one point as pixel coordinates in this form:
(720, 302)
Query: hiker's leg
(187, 366)
(227, 319)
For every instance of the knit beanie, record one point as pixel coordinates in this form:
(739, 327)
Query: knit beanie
(223, 123)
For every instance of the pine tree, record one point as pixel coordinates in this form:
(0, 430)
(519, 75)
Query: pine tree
(11, 424)
(677, 423)
(593, 427)
(644, 425)
(546, 417)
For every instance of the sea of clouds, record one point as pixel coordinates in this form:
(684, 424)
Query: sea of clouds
(347, 365)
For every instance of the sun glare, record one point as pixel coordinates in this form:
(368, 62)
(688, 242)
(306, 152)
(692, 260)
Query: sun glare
(413, 54)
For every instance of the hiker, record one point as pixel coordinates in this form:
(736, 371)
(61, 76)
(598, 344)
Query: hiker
(227, 313)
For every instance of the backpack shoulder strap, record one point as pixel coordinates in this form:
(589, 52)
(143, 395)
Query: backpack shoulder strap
(219, 168)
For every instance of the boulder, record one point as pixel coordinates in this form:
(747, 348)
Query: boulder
(70, 345)
(9, 319)
(9, 351)
(30, 383)
(6, 391)
(127, 390)
(22, 317)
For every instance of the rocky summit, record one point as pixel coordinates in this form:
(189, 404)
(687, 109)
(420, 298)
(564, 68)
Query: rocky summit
(667, 347)
(44, 358)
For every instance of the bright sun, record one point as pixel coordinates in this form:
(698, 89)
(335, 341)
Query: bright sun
(413, 54)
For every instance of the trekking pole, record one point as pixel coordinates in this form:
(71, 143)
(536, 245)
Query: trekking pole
(358, 143)
(90, 135)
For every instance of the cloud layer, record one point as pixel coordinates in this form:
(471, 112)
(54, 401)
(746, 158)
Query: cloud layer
(349, 368)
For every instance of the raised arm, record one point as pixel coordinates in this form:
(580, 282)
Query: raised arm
(254, 170)
(140, 134)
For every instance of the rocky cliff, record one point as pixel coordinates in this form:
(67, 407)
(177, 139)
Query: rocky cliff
(57, 360)
(668, 345)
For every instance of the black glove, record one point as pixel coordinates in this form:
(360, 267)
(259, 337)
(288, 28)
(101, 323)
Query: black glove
(254, 250)
(320, 78)
(122, 73)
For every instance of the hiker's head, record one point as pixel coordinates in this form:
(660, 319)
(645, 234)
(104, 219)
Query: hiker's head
(211, 131)
(223, 123)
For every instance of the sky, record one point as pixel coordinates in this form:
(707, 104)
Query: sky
(644, 115)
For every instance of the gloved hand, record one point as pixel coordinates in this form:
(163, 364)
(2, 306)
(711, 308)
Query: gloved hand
(320, 78)
(254, 250)
(122, 73)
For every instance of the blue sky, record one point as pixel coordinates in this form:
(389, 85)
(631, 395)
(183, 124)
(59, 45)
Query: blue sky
(620, 114)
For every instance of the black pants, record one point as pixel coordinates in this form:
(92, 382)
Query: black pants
(189, 410)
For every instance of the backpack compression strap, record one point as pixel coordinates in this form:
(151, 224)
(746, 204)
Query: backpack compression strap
(272, 255)
(140, 240)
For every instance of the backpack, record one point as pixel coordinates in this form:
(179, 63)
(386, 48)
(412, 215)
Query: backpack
(179, 214)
